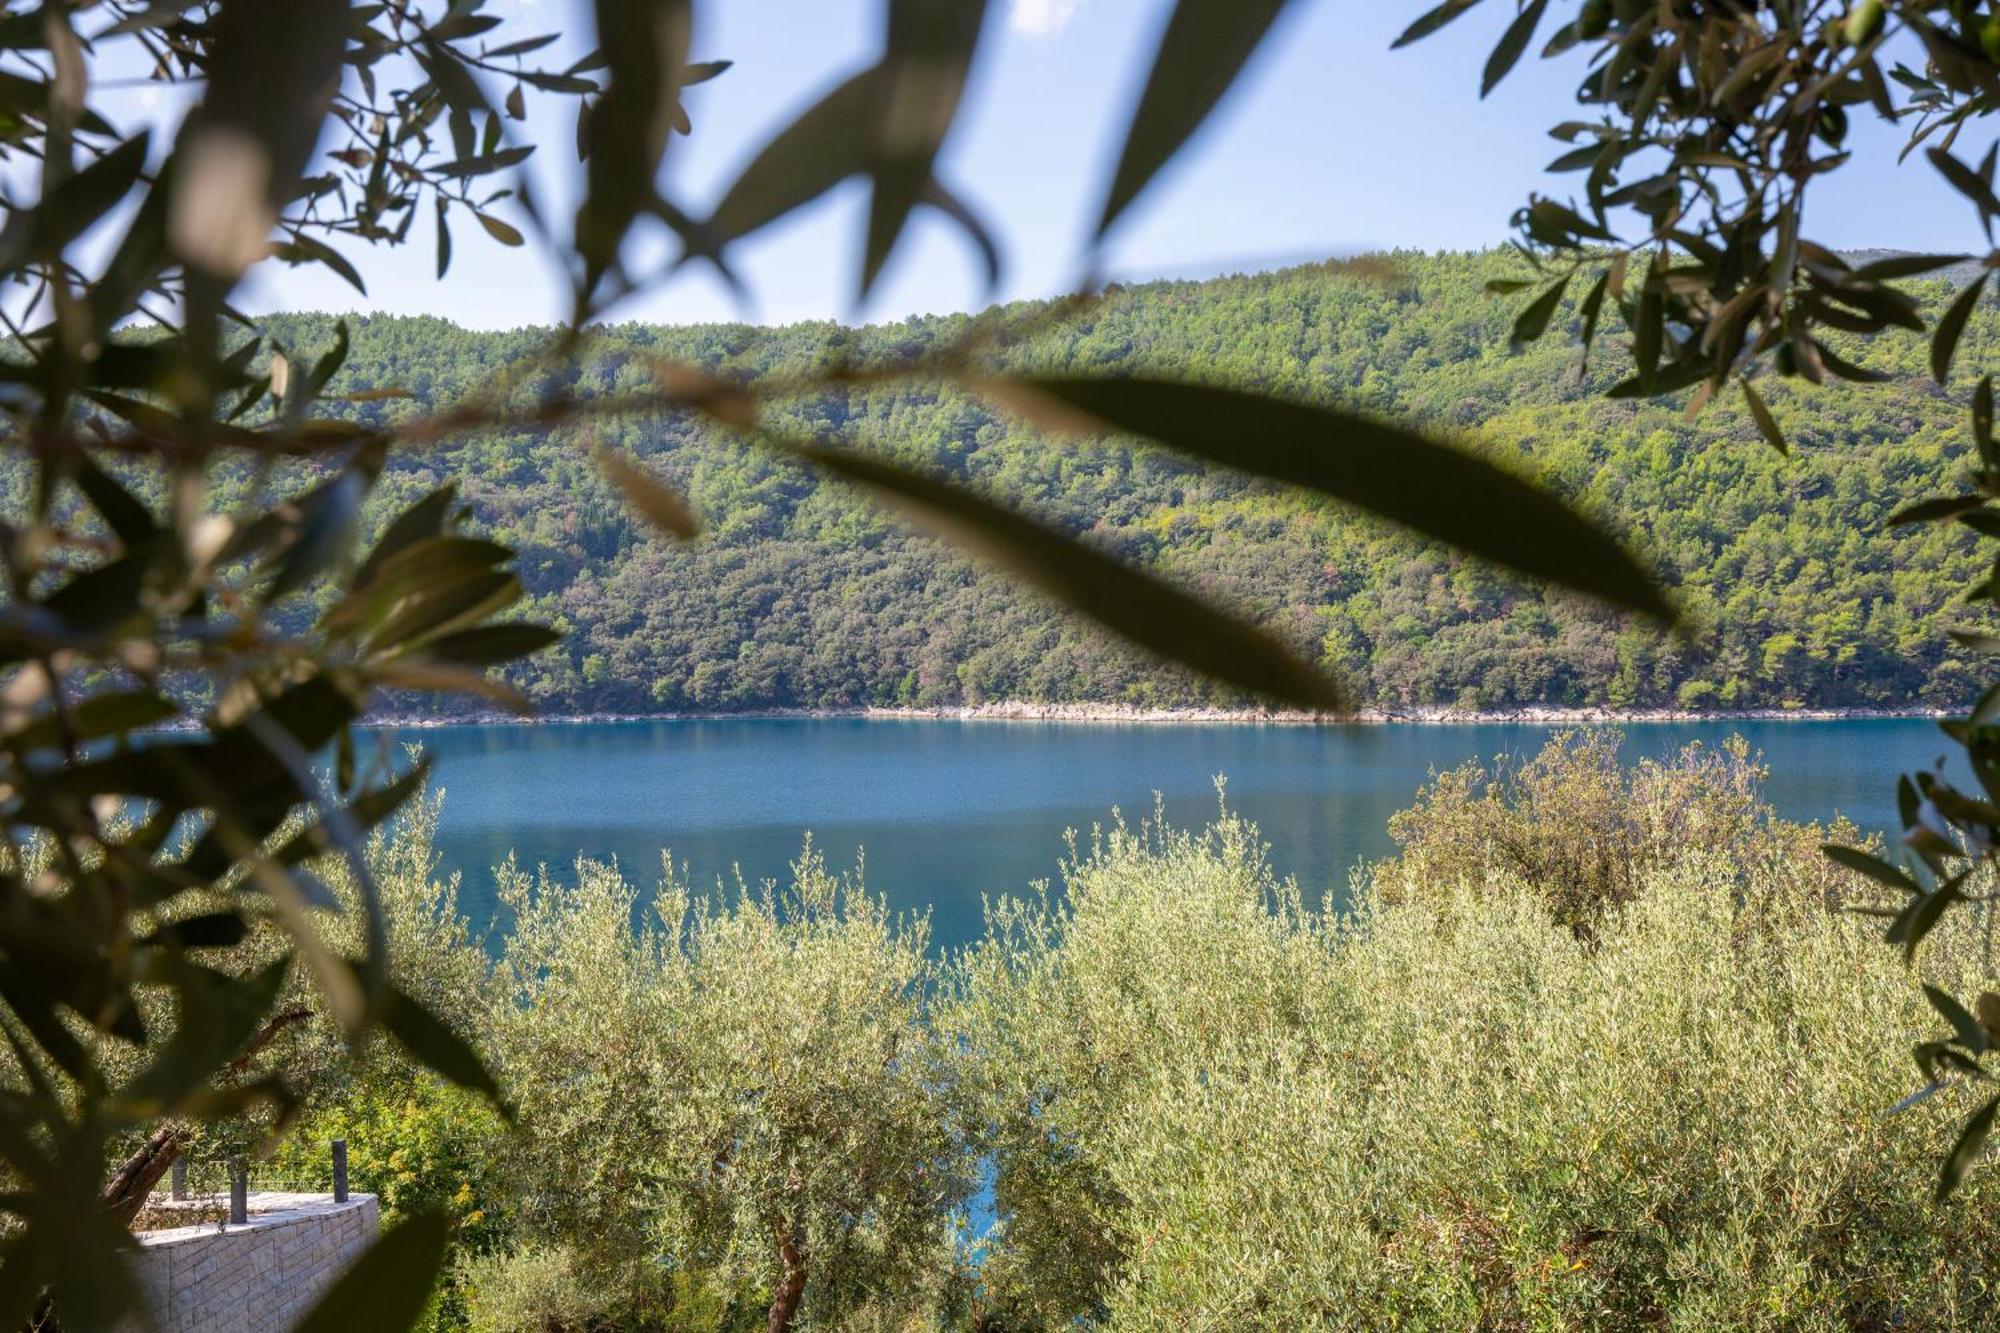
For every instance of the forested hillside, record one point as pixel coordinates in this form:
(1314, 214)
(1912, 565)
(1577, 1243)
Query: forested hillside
(800, 595)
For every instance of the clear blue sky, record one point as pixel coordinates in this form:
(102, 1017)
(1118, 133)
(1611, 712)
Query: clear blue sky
(1336, 144)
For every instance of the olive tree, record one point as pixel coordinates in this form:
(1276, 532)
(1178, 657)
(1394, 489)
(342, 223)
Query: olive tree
(1707, 126)
(739, 1104)
(1212, 1106)
(193, 618)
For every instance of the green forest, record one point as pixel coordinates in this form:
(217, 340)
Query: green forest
(801, 595)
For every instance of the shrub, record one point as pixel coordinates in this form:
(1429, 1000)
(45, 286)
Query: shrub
(1205, 1103)
(416, 1143)
(736, 1106)
(1585, 830)
(544, 1289)
(1452, 1112)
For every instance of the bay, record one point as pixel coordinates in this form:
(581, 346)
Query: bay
(945, 811)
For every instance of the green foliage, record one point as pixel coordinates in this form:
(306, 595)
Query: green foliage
(390, 1284)
(1713, 120)
(1709, 123)
(537, 1289)
(736, 1107)
(112, 911)
(127, 865)
(421, 1146)
(1588, 833)
(1204, 1102)
(184, 545)
(1450, 1112)
(798, 595)
(183, 542)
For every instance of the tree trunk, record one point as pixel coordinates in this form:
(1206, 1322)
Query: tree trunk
(132, 1184)
(791, 1280)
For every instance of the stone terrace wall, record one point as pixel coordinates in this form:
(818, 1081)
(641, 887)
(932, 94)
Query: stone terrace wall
(259, 1277)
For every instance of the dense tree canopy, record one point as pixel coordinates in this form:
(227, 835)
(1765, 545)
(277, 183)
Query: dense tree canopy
(802, 596)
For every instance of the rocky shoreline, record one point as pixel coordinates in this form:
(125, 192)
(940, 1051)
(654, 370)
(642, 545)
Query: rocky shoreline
(1121, 713)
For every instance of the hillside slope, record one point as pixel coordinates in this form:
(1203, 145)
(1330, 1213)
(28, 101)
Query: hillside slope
(802, 596)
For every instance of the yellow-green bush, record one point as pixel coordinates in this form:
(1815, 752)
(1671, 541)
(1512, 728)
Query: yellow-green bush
(1585, 830)
(736, 1094)
(1458, 1114)
(1505, 1093)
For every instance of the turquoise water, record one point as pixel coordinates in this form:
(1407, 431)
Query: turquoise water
(946, 811)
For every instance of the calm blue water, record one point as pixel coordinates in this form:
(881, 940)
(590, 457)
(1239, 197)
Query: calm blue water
(946, 811)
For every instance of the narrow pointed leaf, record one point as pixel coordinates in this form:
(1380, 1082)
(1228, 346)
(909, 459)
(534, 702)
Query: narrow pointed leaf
(388, 1288)
(122, 511)
(1649, 333)
(821, 148)
(1512, 43)
(1432, 20)
(1767, 425)
(1592, 307)
(1430, 487)
(1875, 868)
(209, 930)
(72, 206)
(1848, 370)
(1150, 613)
(304, 249)
(930, 48)
(1932, 511)
(1533, 321)
(430, 1040)
(1963, 1025)
(645, 46)
(113, 714)
(949, 204)
(1971, 1142)
(444, 605)
(1951, 325)
(661, 505)
(274, 71)
(1205, 46)
(1920, 918)
(443, 237)
(1982, 421)
(1905, 266)
(425, 519)
(488, 645)
(1969, 183)
(504, 232)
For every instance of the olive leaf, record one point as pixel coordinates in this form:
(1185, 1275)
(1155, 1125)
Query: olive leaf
(823, 146)
(1512, 43)
(1203, 49)
(389, 1286)
(1391, 471)
(666, 510)
(1971, 1142)
(644, 44)
(1153, 614)
(1944, 342)
(921, 78)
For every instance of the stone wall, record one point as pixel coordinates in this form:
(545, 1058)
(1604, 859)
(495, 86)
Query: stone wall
(257, 1277)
